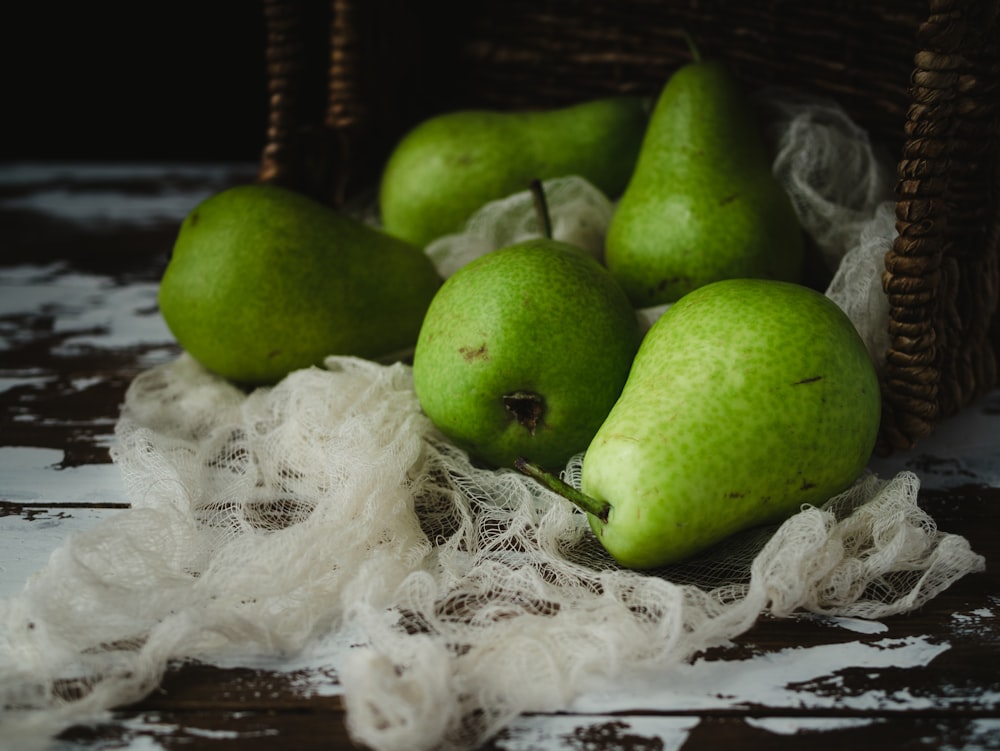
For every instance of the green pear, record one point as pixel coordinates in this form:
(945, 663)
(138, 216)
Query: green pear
(747, 399)
(450, 165)
(525, 350)
(263, 281)
(702, 204)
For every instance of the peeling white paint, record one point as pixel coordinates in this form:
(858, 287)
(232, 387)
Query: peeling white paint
(54, 192)
(313, 673)
(962, 450)
(89, 310)
(109, 206)
(796, 725)
(131, 743)
(144, 733)
(30, 380)
(857, 625)
(795, 677)
(536, 733)
(28, 174)
(983, 735)
(33, 475)
(975, 622)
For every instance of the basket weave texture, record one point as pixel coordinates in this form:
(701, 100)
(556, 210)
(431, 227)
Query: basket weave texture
(347, 78)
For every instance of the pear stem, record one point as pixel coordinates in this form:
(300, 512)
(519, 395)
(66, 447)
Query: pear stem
(692, 46)
(541, 208)
(600, 509)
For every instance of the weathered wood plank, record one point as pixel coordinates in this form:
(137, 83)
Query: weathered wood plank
(252, 730)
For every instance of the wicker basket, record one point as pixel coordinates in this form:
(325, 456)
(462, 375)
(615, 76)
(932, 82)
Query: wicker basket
(347, 78)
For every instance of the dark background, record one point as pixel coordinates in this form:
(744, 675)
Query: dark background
(132, 81)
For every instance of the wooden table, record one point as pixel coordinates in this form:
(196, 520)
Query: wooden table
(82, 250)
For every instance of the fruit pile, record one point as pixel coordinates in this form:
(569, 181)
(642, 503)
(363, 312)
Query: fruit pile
(751, 396)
